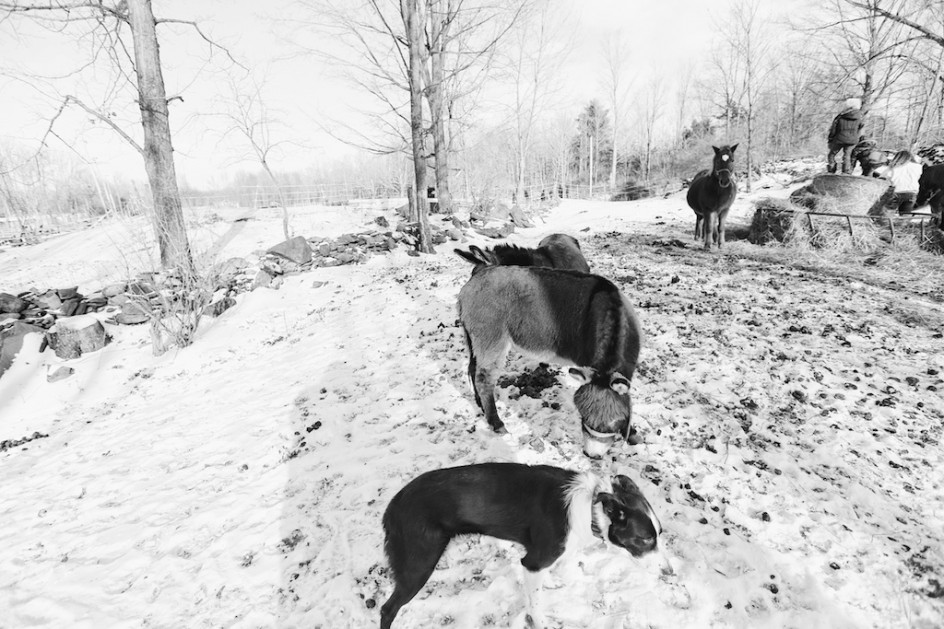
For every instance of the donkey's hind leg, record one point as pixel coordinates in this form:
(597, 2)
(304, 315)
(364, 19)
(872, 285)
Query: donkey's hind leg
(472, 369)
(488, 362)
(699, 227)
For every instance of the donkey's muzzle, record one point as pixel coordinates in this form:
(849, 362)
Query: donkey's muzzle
(596, 444)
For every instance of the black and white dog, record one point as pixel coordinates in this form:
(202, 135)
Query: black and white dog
(554, 513)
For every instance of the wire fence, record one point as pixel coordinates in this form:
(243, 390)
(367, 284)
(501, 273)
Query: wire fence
(33, 226)
(261, 197)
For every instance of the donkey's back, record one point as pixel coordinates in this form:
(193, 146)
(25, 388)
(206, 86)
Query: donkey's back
(578, 317)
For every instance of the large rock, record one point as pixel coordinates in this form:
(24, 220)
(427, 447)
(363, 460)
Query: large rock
(11, 342)
(295, 249)
(12, 303)
(73, 336)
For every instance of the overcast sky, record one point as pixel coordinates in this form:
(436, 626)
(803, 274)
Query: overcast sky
(662, 36)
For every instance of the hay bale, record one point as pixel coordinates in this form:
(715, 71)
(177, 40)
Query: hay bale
(773, 220)
(849, 194)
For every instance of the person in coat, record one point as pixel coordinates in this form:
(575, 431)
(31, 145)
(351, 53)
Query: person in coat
(844, 135)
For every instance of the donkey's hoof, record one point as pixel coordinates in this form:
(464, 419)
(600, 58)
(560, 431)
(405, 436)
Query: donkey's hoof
(500, 429)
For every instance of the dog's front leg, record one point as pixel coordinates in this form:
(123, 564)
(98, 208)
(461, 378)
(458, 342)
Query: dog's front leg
(534, 613)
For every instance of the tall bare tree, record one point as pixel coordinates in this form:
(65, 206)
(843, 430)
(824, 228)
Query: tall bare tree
(249, 117)
(868, 52)
(649, 107)
(615, 66)
(530, 58)
(745, 34)
(111, 23)
(442, 17)
(414, 20)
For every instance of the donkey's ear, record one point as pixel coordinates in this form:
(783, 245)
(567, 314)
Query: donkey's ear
(717, 150)
(581, 375)
(734, 148)
(619, 383)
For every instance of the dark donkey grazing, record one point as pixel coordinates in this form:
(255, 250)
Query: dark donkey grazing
(711, 195)
(557, 251)
(574, 318)
(931, 191)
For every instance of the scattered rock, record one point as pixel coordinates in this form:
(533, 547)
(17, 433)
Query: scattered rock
(60, 374)
(12, 303)
(217, 308)
(263, 279)
(133, 313)
(502, 231)
(48, 300)
(231, 267)
(11, 341)
(295, 249)
(113, 290)
(73, 336)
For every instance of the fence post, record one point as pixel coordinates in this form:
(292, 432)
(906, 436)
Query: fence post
(849, 220)
(891, 228)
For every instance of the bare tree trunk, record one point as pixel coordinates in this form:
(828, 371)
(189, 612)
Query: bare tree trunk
(411, 11)
(439, 28)
(158, 148)
(278, 190)
(613, 165)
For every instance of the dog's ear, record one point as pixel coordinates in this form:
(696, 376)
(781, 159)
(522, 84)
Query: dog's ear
(630, 495)
(626, 484)
(612, 507)
(619, 383)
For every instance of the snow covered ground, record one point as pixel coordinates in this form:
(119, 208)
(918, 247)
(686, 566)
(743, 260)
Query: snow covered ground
(792, 424)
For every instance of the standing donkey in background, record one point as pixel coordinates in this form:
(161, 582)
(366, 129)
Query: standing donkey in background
(711, 195)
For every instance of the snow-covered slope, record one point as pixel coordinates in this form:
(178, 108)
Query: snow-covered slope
(792, 427)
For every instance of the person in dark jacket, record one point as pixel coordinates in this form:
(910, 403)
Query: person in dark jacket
(844, 135)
